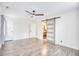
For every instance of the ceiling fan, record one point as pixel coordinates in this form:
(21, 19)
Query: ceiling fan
(33, 13)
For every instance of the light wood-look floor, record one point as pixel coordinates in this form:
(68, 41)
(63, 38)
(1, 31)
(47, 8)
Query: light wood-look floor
(26, 47)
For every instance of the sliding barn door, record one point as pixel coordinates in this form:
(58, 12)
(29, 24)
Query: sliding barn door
(51, 30)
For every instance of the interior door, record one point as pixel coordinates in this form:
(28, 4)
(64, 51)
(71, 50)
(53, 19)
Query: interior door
(10, 30)
(32, 30)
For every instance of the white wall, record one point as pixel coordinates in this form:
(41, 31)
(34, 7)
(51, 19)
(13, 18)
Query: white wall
(36, 24)
(17, 28)
(20, 28)
(67, 29)
(39, 26)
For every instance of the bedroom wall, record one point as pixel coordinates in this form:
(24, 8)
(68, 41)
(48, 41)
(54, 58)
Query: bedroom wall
(67, 29)
(17, 28)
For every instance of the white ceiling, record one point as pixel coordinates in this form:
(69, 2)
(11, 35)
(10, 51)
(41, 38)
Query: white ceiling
(41, 7)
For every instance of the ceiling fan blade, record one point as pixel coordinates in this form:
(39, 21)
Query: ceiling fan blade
(39, 14)
(28, 12)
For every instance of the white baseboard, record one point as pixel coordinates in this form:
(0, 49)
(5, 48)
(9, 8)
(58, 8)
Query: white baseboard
(67, 46)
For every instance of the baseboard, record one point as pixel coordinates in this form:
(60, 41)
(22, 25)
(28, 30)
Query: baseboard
(68, 47)
(24, 39)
